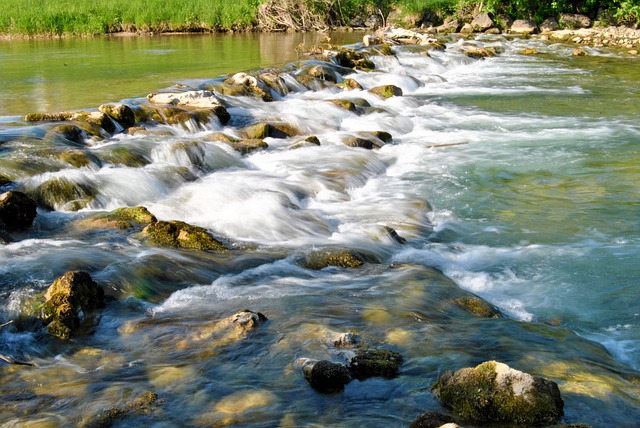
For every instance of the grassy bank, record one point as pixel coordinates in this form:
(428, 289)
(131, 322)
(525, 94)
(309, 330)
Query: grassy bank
(88, 17)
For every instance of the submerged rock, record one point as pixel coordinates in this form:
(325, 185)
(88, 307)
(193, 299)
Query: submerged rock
(375, 363)
(433, 420)
(70, 298)
(17, 210)
(339, 258)
(492, 392)
(141, 405)
(62, 193)
(477, 306)
(179, 234)
(326, 376)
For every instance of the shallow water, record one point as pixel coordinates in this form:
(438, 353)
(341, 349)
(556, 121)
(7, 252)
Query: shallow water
(514, 178)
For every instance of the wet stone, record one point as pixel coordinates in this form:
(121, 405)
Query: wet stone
(17, 210)
(375, 363)
(326, 376)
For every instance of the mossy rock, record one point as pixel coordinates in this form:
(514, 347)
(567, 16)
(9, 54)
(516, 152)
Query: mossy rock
(122, 218)
(345, 104)
(492, 392)
(121, 113)
(66, 133)
(62, 193)
(479, 53)
(327, 376)
(78, 158)
(144, 113)
(70, 295)
(17, 210)
(349, 84)
(126, 156)
(179, 234)
(477, 306)
(386, 91)
(375, 363)
(344, 259)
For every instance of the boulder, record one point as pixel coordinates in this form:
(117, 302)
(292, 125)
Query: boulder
(375, 363)
(95, 123)
(467, 28)
(326, 376)
(345, 104)
(523, 26)
(493, 392)
(121, 113)
(574, 21)
(251, 85)
(364, 143)
(78, 158)
(179, 234)
(548, 25)
(349, 84)
(70, 298)
(482, 22)
(260, 131)
(66, 133)
(5, 238)
(386, 91)
(17, 210)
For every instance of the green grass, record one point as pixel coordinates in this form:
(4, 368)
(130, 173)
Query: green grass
(82, 17)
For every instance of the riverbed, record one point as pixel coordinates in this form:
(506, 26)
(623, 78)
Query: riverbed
(514, 178)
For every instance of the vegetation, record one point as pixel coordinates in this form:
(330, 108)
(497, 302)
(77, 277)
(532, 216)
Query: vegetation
(87, 17)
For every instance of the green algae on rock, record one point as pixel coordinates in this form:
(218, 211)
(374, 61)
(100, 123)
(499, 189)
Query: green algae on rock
(338, 258)
(386, 91)
(70, 298)
(375, 363)
(492, 392)
(179, 234)
(62, 193)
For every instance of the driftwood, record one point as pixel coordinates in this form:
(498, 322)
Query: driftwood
(10, 360)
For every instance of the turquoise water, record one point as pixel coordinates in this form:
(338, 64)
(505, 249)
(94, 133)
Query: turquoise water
(514, 178)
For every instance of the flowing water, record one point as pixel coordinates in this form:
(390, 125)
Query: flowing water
(515, 178)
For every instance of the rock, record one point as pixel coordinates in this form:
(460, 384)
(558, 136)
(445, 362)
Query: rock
(466, 29)
(479, 53)
(197, 99)
(344, 259)
(326, 376)
(60, 193)
(142, 405)
(477, 306)
(311, 140)
(4, 179)
(78, 158)
(432, 420)
(580, 52)
(523, 26)
(374, 22)
(121, 113)
(349, 84)
(574, 21)
(248, 146)
(387, 91)
(493, 392)
(122, 218)
(529, 51)
(349, 58)
(375, 363)
(260, 131)
(450, 25)
(548, 25)
(69, 299)
(66, 133)
(394, 235)
(17, 210)
(364, 143)
(345, 104)
(482, 22)
(5, 238)
(322, 72)
(251, 85)
(242, 322)
(179, 234)
(369, 40)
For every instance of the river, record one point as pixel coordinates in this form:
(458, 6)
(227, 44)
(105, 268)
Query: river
(515, 178)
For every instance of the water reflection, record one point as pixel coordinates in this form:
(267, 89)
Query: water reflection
(46, 75)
